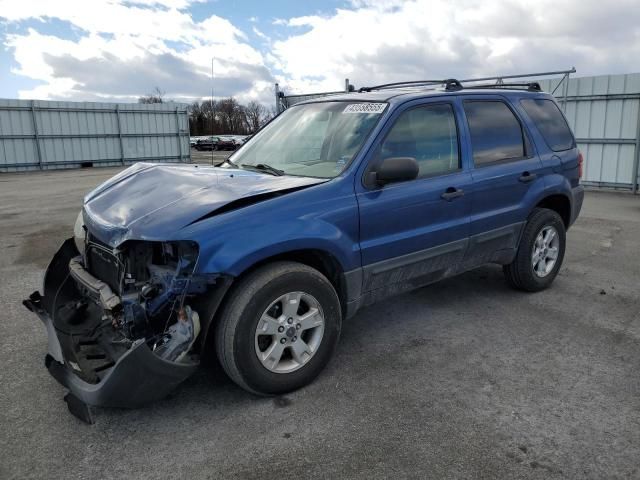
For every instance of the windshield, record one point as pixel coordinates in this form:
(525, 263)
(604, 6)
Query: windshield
(312, 140)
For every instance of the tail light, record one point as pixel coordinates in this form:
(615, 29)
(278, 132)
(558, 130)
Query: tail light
(580, 162)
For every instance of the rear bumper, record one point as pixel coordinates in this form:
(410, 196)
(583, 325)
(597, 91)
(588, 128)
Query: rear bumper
(576, 204)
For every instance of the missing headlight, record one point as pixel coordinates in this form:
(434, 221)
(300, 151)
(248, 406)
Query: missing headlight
(157, 282)
(79, 233)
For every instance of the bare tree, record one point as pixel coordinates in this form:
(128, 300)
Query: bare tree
(272, 112)
(256, 114)
(231, 116)
(157, 96)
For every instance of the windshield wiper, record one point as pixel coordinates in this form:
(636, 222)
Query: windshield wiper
(263, 167)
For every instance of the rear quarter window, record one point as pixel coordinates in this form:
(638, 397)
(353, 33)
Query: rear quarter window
(550, 123)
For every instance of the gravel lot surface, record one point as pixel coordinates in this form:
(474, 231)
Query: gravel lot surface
(462, 379)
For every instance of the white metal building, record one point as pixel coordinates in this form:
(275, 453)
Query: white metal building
(604, 113)
(40, 135)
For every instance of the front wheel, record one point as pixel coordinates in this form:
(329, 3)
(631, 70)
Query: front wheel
(279, 328)
(540, 252)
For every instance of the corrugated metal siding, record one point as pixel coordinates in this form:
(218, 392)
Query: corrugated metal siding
(47, 135)
(604, 112)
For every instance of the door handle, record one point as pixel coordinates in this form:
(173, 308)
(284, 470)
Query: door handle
(527, 177)
(451, 193)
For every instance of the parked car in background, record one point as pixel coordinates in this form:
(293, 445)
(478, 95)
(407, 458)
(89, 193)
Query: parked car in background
(218, 142)
(193, 141)
(334, 205)
(225, 142)
(240, 140)
(206, 143)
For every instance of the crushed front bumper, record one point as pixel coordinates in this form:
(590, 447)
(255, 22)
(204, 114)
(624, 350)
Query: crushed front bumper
(137, 377)
(84, 361)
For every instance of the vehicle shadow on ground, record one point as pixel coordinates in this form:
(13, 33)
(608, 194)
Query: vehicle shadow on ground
(400, 322)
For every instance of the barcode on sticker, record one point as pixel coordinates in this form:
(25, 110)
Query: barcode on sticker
(365, 108)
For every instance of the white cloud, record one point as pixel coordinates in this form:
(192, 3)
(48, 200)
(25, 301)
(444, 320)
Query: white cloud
(123, 48)
(377, 41)
(139, 37)
(260, 34)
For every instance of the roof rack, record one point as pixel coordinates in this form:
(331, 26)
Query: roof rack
(453, 85)
(284, 101)
(450, 84)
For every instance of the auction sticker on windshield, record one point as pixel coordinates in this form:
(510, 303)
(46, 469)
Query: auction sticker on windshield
(365, 108)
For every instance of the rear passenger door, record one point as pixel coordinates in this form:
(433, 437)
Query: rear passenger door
(415, 232)
(506, 173)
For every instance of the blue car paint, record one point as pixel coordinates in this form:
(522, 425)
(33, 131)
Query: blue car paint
(238, 239)
(155, 202)
(340, 217)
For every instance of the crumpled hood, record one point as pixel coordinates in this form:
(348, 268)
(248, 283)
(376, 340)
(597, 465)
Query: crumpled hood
(154, 201)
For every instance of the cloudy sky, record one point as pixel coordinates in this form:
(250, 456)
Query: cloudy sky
(108, 50)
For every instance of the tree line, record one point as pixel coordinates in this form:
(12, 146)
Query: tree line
(224, 116)
(227, 116)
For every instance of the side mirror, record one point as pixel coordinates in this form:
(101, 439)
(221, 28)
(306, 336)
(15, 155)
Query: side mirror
(396, 169)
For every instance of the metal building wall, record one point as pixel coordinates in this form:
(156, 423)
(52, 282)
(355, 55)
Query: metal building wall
(43, 135)
(604, 113)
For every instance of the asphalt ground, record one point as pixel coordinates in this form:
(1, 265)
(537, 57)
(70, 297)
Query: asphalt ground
(462, 379)
(210, 158)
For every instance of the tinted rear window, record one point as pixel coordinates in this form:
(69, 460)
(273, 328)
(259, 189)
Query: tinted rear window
(550, 122)
(496, 134)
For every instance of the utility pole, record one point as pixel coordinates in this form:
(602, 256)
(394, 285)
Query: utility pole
(212, 111)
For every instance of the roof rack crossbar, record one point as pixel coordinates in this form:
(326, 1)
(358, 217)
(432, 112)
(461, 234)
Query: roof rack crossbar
(449, 83)
(416, 83)
(531, 86)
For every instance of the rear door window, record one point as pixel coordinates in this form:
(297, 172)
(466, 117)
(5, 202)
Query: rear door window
(496, 134)
(550, 122)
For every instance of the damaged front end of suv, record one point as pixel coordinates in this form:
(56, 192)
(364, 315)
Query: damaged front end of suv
(123, 323)
(129, 300)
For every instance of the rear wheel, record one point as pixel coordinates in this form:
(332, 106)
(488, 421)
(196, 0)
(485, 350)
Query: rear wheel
(540, 252)
(279, 328)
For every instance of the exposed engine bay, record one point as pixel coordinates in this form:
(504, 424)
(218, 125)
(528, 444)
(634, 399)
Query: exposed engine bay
(123, 324)
(142, 288)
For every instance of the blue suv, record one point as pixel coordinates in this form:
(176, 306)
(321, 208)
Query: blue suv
(336, 204)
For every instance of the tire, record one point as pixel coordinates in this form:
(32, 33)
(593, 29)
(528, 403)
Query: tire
(239, 344)
(525, 273)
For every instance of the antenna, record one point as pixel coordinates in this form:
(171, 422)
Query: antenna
(212, 111)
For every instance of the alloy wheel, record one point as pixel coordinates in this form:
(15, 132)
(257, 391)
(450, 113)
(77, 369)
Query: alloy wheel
(289, 332)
